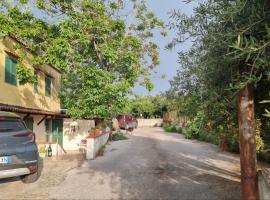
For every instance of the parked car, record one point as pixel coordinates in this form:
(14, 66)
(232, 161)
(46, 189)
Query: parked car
(127, 121)
(18, 149)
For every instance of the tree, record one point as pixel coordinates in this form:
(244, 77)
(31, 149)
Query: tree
(148, 106)
(102, 51)
(229, 56)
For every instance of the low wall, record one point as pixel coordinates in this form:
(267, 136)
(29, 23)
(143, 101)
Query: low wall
(94, 144)
(74, 132)
(263, 182)
(149, 122)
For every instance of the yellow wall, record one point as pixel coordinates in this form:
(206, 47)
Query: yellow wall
(24, 95)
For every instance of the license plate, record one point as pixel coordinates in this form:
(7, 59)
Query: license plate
(5, 160)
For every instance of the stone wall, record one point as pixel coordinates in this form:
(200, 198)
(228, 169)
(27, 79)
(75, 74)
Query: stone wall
(149, 122)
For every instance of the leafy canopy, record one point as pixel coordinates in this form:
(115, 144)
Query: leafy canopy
(103, 47)
(231, 47)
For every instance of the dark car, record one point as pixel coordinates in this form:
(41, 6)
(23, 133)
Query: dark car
(18, 149)
(127, 121)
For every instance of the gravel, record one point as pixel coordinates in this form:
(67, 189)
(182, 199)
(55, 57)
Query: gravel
(151, 164)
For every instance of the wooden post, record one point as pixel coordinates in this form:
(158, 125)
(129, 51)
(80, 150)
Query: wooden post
(249, 185)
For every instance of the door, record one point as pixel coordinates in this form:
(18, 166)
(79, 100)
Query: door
(57, 130)
(29, 121)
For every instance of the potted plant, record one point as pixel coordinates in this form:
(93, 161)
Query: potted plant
(42, 151)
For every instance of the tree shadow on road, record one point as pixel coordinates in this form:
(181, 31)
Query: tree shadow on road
(166, 169)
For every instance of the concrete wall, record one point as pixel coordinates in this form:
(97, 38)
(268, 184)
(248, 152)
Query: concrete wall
(74, 132)
(24, 95)
(263, 184)
(94, 144)
(149, 122)
(39, 130)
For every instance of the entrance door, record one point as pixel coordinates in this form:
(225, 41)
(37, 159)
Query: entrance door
(29, 121)
(57, 130)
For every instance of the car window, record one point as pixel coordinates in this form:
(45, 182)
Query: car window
(11, 125)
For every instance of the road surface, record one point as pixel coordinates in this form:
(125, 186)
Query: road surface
(151, 164)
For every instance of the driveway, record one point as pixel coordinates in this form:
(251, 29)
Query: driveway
(151, 164)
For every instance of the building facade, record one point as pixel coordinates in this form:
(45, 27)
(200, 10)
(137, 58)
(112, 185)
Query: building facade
(38, 103)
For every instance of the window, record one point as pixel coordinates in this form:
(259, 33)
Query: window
(11, 126)
(10, 71)
(48, 85)
(35, 86)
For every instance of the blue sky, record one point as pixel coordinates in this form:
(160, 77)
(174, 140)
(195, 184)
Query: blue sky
(168, 58)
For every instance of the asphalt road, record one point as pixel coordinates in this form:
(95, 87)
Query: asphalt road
(151, 164)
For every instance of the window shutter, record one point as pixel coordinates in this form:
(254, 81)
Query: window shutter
(14, 72)
(48, 86)
(35, 86)
(10, 71)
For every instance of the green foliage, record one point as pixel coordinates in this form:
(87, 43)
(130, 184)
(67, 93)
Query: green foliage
(118, 136)
(100, 51)
(231, 47)
(171, 128)
(148, 106)
(196, 123)
(258, 137)
(233, 143)
(24, 74)
(211, 138)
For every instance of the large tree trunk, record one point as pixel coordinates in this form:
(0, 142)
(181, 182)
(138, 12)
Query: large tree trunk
(249, 185)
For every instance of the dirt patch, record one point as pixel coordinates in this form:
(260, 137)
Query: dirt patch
(53, 173)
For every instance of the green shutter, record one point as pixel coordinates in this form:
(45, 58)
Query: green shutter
(48, 83)
(35, 86)
(10, 71)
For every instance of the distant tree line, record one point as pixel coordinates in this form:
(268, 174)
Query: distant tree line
(148, 106)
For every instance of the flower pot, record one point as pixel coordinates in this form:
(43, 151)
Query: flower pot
(42, 154)
(100, 153)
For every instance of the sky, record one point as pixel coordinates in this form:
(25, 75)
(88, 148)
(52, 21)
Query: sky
(168, 58)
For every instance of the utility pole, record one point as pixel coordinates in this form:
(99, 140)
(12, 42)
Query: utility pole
(249, 184)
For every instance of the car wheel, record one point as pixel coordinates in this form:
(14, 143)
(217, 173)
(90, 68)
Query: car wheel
(33, 177)
(30, 178)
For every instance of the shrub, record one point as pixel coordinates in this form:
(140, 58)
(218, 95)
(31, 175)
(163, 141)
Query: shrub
(171, 128)
(188, 133)
(179, 130)
(194, 127)
(233, 143)
(118, 136)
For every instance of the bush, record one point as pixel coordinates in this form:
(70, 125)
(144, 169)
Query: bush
(171, 128)
(233, 143)
(188, 133)
(194, 127)
(118, 136)
(179, 130)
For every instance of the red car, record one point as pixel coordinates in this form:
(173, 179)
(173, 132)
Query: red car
(127, 121)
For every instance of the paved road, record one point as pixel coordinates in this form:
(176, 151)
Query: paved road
(150, 165)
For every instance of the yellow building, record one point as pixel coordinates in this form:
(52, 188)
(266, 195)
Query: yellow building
(38, 104)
